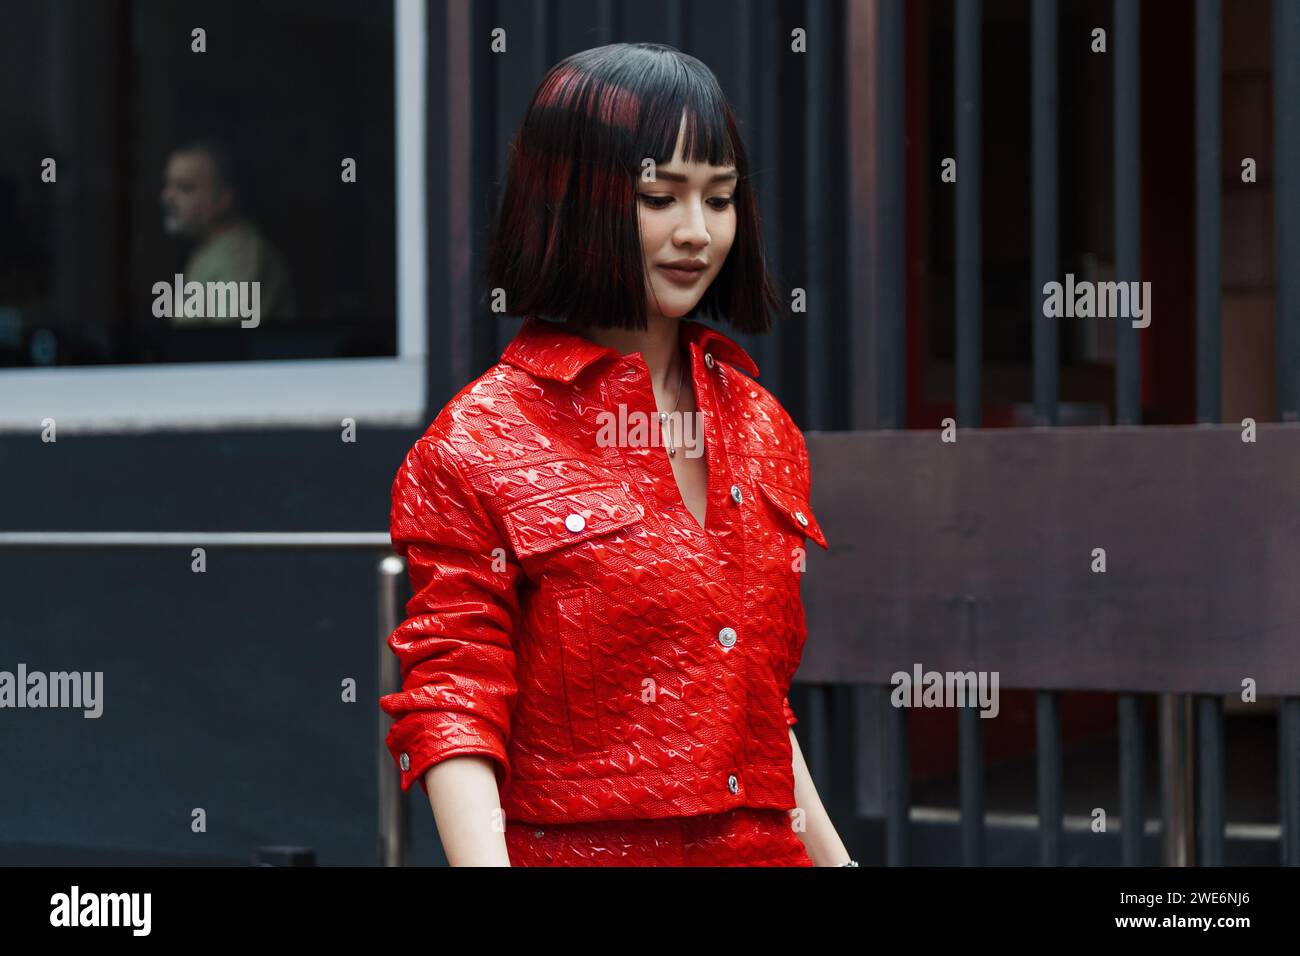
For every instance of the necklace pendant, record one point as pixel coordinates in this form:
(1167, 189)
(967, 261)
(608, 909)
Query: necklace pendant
(672, 451)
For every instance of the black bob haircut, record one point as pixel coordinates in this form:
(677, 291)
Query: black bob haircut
(566, 242)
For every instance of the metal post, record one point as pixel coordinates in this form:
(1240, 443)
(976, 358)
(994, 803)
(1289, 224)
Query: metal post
(1208, 210)
(1045, 211)
(392, 806)
(1288, 765)
(820, 355)
(1176, 780)
(1132, 780)
(1128, 220)
(898, 783)
(968, 252)
(1050, 784)
(1286, 203)
(890, 243)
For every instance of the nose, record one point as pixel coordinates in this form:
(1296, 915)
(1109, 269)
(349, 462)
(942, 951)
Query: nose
(692, 229)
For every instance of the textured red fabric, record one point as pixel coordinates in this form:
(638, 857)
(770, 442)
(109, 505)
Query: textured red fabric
(571, 619)
(745, 836)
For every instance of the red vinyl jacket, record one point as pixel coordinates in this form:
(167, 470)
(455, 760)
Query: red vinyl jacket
(571, 619)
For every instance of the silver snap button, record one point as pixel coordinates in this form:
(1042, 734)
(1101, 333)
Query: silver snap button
(575, 523)
(800, 518)
(736, 496)
(727, 636)
(538, 833)
(733, 784)
(708, 359)
(405, 762)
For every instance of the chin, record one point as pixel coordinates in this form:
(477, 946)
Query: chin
(674, 306)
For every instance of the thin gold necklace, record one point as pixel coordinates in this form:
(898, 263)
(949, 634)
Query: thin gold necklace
(663, 416)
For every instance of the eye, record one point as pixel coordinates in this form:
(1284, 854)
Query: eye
(722, 202)
(655, 202)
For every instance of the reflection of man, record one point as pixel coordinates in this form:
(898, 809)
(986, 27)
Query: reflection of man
(199, 202)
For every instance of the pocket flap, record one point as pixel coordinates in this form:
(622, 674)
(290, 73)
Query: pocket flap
(559, 519)
(794, 507)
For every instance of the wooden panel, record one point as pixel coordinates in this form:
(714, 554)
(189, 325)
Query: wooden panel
(977, 555)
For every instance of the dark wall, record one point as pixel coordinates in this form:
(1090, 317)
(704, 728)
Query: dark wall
(223, 689)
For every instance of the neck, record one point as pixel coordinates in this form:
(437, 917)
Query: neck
(657, 345)
(221, 226)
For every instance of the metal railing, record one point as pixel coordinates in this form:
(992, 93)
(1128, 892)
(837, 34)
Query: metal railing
(1190, 724)
(390, 570)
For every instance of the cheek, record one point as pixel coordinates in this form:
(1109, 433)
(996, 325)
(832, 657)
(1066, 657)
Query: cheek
(722, 236)
(725, 234)
(655, 231)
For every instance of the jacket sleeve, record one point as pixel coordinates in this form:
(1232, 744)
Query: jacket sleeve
(790, 719)
(457, 660)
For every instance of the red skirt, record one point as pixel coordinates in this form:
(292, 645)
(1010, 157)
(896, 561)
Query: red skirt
(744, 836)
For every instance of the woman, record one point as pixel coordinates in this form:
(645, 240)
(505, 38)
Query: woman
(605, 531)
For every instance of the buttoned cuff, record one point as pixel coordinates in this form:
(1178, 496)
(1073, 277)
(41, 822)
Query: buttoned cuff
(420, 741)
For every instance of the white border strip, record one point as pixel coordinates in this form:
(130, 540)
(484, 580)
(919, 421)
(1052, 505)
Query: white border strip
(1077, 823)
(409, 80)
(316, 392)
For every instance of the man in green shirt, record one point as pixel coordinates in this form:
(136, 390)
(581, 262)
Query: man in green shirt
(200, 203)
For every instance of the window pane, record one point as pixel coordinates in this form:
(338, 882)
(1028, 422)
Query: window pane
(137, 150)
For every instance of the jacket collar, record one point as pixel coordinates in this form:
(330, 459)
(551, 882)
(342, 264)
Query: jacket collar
(548, 350)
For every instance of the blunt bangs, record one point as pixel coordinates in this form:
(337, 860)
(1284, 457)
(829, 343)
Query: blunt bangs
(566, 243)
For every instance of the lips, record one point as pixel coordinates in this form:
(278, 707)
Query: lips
(682, 276)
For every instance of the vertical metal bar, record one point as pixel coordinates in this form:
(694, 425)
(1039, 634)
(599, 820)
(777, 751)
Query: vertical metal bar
(971, 746)
(1286, 204)
(1050, 807)
(969, 411)
(892, 363)
(1046, 376)
(1209, 709)
(606, 12)
(1288, 763)
(868, 764)
(1209, 779)
(410, 42)
(767, 167)
(460, 129)
(1128, 222)
(392, 806)
(1132, 780)
(862, 79)
(677, 26)
(743, 97)
(862, 91)
(1176, 780)
(1208, 210)
(818, 96)
(968, 252)
(898, 783)
(1045, 213)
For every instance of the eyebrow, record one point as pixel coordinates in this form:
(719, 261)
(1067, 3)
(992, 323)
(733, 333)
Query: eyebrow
(679, 178)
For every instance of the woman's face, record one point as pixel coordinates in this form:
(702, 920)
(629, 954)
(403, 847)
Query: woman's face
(687, 217)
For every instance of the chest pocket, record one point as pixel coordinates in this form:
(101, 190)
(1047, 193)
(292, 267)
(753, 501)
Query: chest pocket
(571, 529)
(792, 511)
